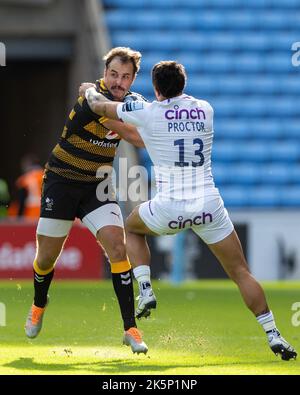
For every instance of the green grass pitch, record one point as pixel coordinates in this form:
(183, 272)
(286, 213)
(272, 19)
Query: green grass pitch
(198, 328)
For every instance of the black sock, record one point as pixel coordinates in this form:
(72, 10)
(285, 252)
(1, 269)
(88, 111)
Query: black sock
(124, 290)
(41, 287)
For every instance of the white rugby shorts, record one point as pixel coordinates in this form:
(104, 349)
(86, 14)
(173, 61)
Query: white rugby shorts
(106, 215)
(209, 219)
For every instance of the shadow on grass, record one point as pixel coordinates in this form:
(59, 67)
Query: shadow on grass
(117, 366)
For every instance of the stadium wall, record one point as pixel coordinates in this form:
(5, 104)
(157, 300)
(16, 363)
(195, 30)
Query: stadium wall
(273, 243)
(81, 258)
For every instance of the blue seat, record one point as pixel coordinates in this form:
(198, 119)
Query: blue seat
(235, 197)
(211, 63)
(266, 129)
(285, 151)
(283, 106)
(264, 197)
(231, 129)
(294, 170)
(292, 128)
(224, 151)
(195, 4)
(290, 197)
(206, 85)
(283, 40)
(277, 62)
(230, 105)
(153, 20)
(220, 173)
(142, 42)
(274, 174)
(254, 152)
(275, 21)
(247, 62)
(115, 19)
(288, 84)
(243, 174)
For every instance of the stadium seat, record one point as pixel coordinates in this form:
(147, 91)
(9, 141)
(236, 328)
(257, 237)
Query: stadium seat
(265, 197)
(220, 173)
(285, 151)
(232, 129)
(254, 151)
(234, 196)
(290, 197)
(225, 152)
(195, 4)
(292, 128)
(274, 174)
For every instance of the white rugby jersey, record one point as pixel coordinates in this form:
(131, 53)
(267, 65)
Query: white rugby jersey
(178, 135)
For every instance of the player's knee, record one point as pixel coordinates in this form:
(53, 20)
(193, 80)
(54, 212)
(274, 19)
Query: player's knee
(131, 226)
(128, 223)
(46, 261)
(239, 273)
(118, 252)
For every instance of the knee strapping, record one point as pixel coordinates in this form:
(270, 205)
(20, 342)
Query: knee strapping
(40, 271)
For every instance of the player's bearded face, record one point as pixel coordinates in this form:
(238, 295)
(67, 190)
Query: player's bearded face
(118, 78)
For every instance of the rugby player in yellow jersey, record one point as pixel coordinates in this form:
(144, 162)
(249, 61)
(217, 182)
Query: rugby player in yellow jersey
(88, 142)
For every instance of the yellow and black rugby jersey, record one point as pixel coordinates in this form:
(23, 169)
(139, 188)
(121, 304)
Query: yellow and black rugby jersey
(85, 144)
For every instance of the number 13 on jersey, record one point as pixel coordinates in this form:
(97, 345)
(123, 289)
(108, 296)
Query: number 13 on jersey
(198, 143)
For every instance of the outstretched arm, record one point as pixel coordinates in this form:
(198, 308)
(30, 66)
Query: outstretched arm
(98, 104)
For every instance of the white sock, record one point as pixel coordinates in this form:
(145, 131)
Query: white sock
(267, 322)
(142, 275)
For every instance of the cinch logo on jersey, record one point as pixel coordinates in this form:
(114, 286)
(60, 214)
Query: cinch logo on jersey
(198, 220)
(187, 117)
(184, 113)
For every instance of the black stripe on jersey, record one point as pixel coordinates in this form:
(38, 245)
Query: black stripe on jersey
(82, 154)
(84, 108)
(76, 126)
(55, 162)
(88, 136)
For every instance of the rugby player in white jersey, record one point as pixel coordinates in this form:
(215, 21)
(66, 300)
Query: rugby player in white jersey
(177, 131)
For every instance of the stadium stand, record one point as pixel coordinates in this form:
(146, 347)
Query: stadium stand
(238, 57)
